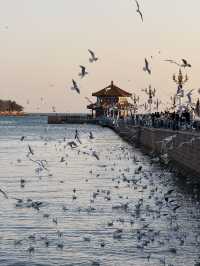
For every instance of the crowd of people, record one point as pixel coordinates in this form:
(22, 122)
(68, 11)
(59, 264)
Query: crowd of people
(169, 120)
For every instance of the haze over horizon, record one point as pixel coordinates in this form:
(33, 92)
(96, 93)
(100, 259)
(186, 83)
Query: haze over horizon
(44, 42)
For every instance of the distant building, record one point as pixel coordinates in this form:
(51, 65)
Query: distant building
(111, 101)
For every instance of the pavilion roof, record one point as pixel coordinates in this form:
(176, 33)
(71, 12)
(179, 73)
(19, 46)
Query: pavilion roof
(112, 90)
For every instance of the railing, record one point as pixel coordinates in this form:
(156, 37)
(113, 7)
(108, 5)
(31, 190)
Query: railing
(147, 121)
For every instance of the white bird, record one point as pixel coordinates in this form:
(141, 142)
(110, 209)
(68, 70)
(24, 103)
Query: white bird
(93, 57)
(146, 67)
(189, 95)
(4, 194)
(30, 150)
(75, 86)
(180, 91)
(172, 62)
(95, 155)
(83, 72)
(88, 99)
(72, 144)
(185, 63)
(91, 135)
(138, 10)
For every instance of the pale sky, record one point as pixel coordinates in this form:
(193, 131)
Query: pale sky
(43, 42)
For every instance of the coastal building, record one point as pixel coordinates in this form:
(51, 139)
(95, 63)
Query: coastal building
(111, 101)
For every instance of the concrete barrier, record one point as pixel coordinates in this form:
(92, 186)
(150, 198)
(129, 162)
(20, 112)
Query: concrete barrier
(181, 147)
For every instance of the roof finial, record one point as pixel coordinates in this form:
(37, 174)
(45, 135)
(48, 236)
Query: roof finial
(112, 82)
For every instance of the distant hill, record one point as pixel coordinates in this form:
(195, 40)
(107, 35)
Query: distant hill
(10, 106)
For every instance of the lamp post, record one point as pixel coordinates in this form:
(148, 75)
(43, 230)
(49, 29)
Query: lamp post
(151, 93)
(180, 80)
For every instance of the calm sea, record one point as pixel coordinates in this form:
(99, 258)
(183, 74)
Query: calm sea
(65, 207)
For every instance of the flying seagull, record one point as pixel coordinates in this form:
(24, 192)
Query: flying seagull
(185, 63)
(75, 86)
(72, 144)
(4, 193)
(93, 58)
(95, 155)
(189, 95)
(138, 10)
(30, 150)
(53, 109)
(88, 99)
(83, 72)
(91, 135)
(172, 62)
(146, 67)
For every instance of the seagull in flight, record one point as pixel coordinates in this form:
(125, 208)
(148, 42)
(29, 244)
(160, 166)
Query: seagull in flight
(185, 63)
(72, 144)
(172, 62)
(95, 155)
(93, 57)
(146, 67)
(189, 95)
(4, 194)
(91, 135)
(30, 150)
(75, 86)
(88, 99)
(83, 72)
(138, 10)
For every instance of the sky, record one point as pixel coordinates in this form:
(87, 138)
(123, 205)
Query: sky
(43, 42)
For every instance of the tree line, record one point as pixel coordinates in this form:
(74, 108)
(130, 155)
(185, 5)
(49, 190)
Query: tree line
(10, 106)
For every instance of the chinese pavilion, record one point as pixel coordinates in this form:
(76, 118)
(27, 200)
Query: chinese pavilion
(111, 101)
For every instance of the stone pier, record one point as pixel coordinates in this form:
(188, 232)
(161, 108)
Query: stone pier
(181, 147)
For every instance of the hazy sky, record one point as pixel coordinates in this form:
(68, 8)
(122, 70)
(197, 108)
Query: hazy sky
(43, 42)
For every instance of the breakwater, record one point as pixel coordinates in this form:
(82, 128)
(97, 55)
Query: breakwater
(180, 148)
(71, 119)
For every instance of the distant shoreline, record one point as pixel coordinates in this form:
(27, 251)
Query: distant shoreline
(14, 113)
(20, 114)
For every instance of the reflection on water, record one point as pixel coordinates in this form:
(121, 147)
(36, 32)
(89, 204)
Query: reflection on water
(84, 211)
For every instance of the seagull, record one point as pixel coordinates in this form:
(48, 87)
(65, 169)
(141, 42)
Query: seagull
(138, 10)
(146, 67)
(91, 135)
(179, 90)
(83, 72)
(185, 63)
(176, 207)
(75, 86)
(72, 144)
(189, 94)
(22, 138)
(93, 57)
(77, 136)
(172, 62)
(4, 193)
(88, 99)
(30, 150)
(169, 192)
(53, 109)
(95, 155)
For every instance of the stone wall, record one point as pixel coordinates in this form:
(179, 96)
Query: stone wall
(182, 148)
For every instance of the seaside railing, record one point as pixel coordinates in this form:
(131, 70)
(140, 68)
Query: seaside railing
(147, 121)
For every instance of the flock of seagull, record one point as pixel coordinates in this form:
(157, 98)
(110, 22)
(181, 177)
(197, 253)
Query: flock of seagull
(138, 216)
(147, 68)
(142, 205)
